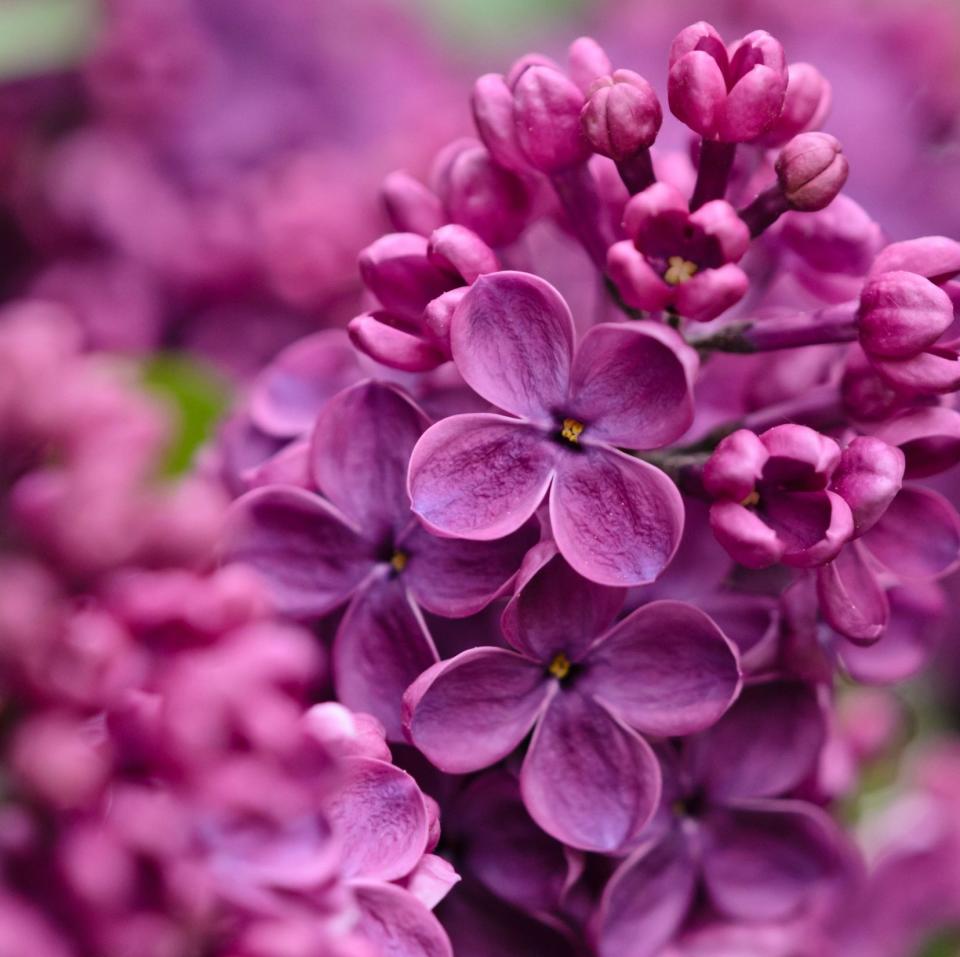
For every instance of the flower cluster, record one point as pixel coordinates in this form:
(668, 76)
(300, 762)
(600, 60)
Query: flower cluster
(626, 465)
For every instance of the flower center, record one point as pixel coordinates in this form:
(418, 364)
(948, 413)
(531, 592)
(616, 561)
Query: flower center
(570, 431)
(560, 666)
(751, 500)
(679, 271)
(398, 561)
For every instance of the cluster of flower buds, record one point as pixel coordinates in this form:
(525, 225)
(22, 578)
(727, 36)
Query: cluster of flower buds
(634, 461)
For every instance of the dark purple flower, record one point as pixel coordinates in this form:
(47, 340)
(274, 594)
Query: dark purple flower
(725, 830)
(360, 544)
(679, 260)
(731, 94)
(587, 688)
(616, 519)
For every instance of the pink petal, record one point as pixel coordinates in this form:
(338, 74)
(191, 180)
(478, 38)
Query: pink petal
(929, 437)
(512, 341)
(480, 476)
(639, 286)
(588, 779)
(666, 669)
(697, 92)
(748, 539)
(720, 220)
(632, 385)
(379, 819)
(392, 346)
(641, 212)
(469, 712)
(711, 292)
(930, 373)
(396, 923)
(309, 556)
(850, 597)
(752, 105)
(617, 520)
(359, 451)
(381, 646)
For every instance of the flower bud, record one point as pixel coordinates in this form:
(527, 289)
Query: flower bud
(492, 103)
(411, 206)
(805, 106)
(588, 62)
(460, 251)
(812, 169)
(546, 113)
(622, 115)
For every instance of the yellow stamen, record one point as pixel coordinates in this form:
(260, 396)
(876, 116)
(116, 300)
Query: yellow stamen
(399, 561)
(752, 499)
(560, 666)
(679, 271)
(571, 430)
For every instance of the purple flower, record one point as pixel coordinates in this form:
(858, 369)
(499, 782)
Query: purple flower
(679, 260)
(905, 311)
(360, 544)
(587, 688)
(772, 501)
(725, 830)
(731, 94)
(616, 519)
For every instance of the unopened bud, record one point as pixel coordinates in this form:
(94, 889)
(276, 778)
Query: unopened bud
(812, 169)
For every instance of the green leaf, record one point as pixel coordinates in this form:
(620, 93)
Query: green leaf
(198, 398)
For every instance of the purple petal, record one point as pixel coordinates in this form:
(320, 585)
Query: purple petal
(646, 899)
(765, 745)
(359, 451)
(460, 251)
(307, 553)
(554, 609)
(480, 476)
(736, 466)
(850, 597)
(697, 91)
(764, 860)
(930, 373)
(753, 104)
(719, 220)
(379, 818)
(395, 347)
(632, 385)
(431, 880)
(711, 292)
(396, 923)
(588, 779)
(286, 397)
(469, 712)
(936, 257)
(457, 578)
(381, 646)
(813, 526)
(918, 536)
(928, 437)
(512, 340)
(910, 640)
(666, 669)
(643, 210)
(396, 270)
(504, 849)
(617, 520)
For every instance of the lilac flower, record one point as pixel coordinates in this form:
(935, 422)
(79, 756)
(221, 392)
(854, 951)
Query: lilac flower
(772, 497)
(725, 828)
(586, 689)
(361, 545)
(677, 260)
(415, 280)
(616, 519)
(732, 94)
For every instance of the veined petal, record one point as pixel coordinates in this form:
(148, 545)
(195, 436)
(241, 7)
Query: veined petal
(480, 476)
(588, 779)
(308, 554)
(632, 384)
(395, 922)
(617, 520)
(850, 597)
(666, 669)
(512, 341)
(469, 712)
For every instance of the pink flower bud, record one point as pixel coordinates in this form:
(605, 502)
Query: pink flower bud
(411, 206)
(622, 115)
(807, 103)
(546, 114)
(812, 169)
(588, 62)
(492, 103)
